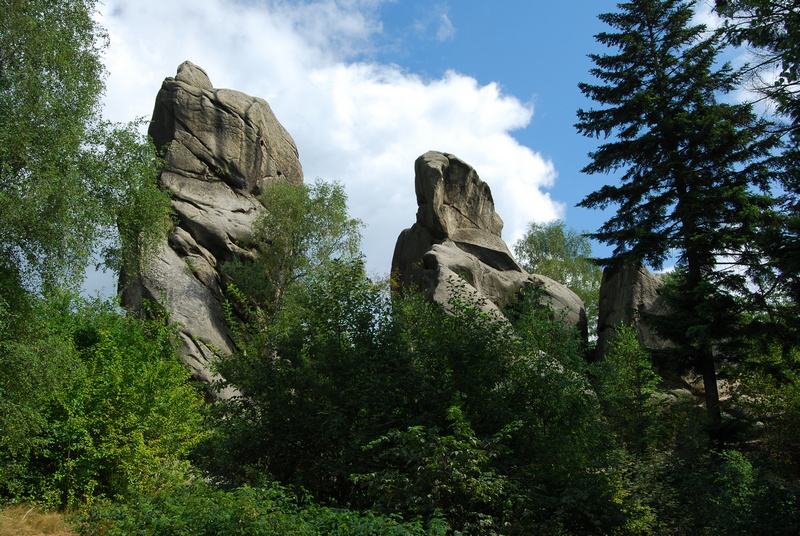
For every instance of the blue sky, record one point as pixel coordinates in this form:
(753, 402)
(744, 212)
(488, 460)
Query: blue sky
(366, 86)
(536, 51)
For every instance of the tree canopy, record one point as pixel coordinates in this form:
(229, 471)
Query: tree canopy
(694, 170)
(771, 29)
(65, 176)
(367, 413)
(565, 255)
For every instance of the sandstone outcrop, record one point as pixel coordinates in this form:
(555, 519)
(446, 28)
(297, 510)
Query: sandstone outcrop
(456, 242)
(223, 149)
(625, 293)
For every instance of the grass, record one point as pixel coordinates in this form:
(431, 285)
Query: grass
(22, 520)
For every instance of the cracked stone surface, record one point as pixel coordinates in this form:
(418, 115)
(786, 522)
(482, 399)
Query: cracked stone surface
(222, 149)
(457, 240)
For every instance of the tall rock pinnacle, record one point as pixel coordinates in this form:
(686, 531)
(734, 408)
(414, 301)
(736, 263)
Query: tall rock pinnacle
(222, 149)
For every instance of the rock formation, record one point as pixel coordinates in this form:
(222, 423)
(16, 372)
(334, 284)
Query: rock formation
(223, 149)
(457, 240)
(625, 293)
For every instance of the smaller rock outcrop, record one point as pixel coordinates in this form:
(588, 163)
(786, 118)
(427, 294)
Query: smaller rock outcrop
(625, 293)
(457, 242)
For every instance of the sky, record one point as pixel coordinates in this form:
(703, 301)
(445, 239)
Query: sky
(366, 86)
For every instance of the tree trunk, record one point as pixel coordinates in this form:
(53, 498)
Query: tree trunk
(714, 413)
(697, 264)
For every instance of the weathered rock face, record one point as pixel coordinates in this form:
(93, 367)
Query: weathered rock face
(224, 148)
(457, 241)
(625, 293)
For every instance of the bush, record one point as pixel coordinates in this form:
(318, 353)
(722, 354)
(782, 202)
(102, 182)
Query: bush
(423, 471)
(627, 384)
(492, 424)
(200, 509)
(111, 415)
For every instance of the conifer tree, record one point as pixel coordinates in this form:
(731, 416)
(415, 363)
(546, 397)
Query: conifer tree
(693, 177)
(771, 29)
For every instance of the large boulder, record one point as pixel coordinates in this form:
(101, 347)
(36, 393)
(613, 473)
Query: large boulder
(222, 149)
(626, 293)
(456, 245)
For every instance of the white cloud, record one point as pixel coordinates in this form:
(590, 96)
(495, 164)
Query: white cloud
(435, 24)
(704, 14)
(446, 29)
(361, 123)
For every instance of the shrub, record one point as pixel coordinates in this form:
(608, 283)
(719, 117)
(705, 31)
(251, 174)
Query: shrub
(199, 509)
(626, 384)
(113, 415)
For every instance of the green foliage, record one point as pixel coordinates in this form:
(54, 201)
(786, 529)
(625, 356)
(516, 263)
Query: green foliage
(414, 409)
(98, 406)
(309, 225)
(66, 179)
(558, 457)
(462, 353)
(770, 26)
(695, 171)
(658, 92)
(771, 29)
(564, 255)
(729, 494)
(51, 80)
(32, 354)
(768, 392)
(423, 472)
(452, 417)
(342, 368)
(732, 505)
(79, 419)
(265, 511)
(129, 196)
(302, 230)
(627, 387)
(667, 481)
(319, 360)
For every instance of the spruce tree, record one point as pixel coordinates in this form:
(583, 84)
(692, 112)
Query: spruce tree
(693, 177)
(771, 28)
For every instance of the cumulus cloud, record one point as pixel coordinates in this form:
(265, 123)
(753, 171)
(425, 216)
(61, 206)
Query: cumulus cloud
(362, 123)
